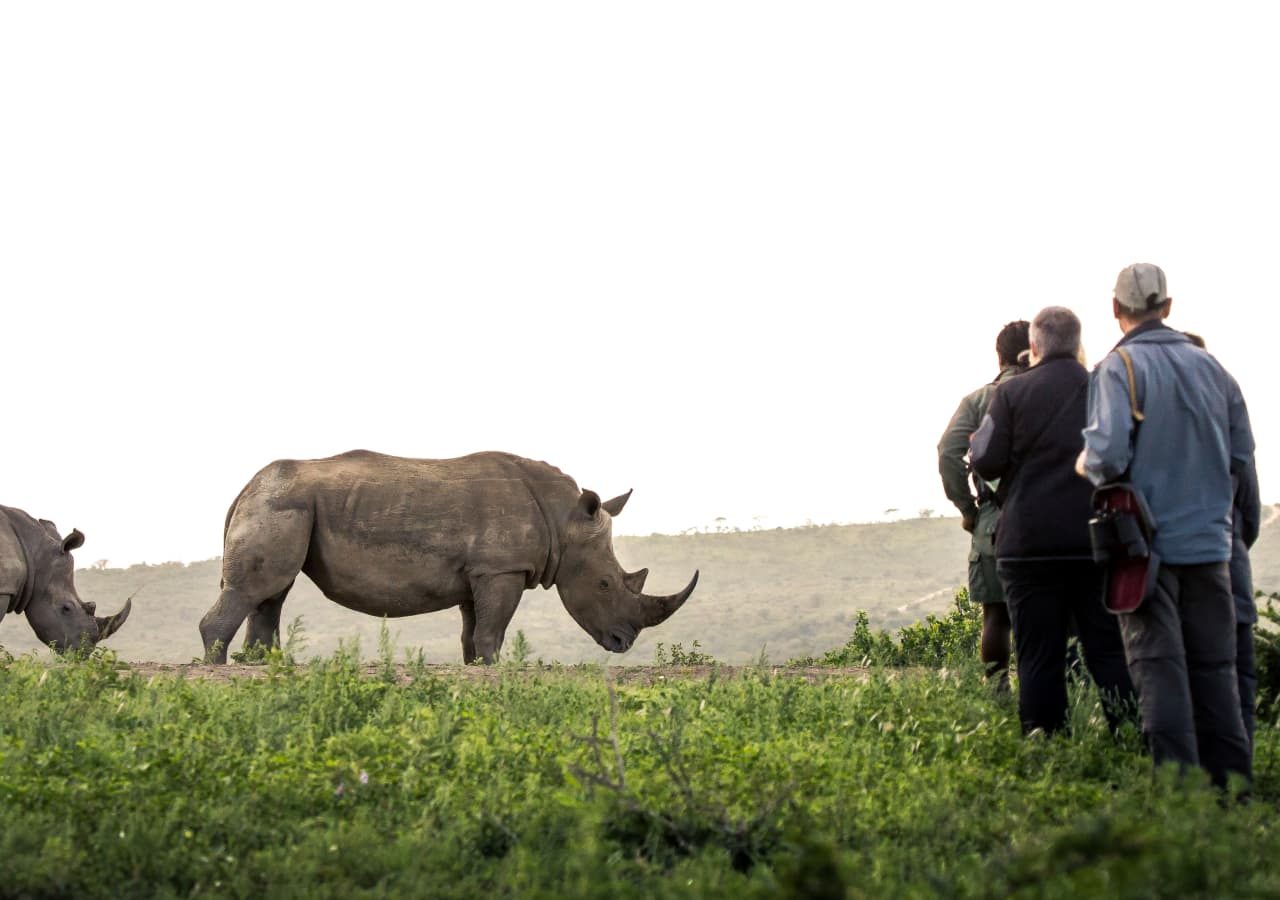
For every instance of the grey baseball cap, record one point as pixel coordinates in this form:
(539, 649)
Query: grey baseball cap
(1141, 287)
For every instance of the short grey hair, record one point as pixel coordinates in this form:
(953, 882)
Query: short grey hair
(1056, 332)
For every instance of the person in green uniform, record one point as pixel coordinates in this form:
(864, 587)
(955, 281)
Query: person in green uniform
(975, 499)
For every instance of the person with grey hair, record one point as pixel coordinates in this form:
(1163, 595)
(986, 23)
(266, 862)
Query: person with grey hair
(1055, 332)
(1167, 418)
(1029, 439)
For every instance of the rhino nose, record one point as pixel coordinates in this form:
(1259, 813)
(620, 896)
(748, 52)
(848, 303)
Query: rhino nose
(617, 643)
(90, 607)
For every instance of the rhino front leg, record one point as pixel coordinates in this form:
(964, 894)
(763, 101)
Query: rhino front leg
(494, 601)
(468, 632)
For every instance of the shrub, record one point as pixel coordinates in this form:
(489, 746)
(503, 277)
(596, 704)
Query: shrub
(1266, 649)
(951, 640)
(676, 655)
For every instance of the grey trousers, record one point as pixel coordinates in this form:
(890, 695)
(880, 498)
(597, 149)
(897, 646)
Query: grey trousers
(1181, 649)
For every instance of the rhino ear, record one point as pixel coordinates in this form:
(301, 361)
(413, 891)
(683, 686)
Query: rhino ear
(589, 504)
(73, 541)
(614, 506)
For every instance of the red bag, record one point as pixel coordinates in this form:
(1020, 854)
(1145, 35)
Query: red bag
(1122, 531)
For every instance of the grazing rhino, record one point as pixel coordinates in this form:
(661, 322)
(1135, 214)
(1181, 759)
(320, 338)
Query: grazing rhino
(37, 577)
(396, 537)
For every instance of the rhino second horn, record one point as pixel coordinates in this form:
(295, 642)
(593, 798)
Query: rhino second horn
(111, 624)
(635, 580)
(658, 609)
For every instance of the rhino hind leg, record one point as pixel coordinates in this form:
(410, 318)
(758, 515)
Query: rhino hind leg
(222, 621)
(263, 552)
(263, 630)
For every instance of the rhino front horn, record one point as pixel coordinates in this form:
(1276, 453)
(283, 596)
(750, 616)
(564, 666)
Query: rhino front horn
(658, 609)
(111, 624)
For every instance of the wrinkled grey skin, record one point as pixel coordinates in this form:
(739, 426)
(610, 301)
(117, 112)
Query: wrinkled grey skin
(390, 536)
(37, 577)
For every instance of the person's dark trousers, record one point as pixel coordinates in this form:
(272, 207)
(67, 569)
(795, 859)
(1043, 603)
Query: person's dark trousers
(1181, 647)
(1246, 676)
(1044, 599)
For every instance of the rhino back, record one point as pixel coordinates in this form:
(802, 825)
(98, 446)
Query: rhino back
(399, 536)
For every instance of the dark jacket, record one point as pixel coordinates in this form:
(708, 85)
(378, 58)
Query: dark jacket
(1247, 521)
(1030, 438)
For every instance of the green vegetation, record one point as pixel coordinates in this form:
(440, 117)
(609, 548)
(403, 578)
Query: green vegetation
(1267, 654)
(937, 641)
(676, 655)
(337, 779)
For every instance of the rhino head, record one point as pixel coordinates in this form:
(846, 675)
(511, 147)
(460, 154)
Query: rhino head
(56, 613)
(607, 602)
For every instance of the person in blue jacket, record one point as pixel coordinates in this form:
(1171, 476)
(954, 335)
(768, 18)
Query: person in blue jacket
(1194, 437)
(1246, 522)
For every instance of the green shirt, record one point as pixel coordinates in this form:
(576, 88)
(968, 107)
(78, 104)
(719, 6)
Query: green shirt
(953, 448)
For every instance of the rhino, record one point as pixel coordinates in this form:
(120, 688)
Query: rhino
(390, 536)
(37, 577)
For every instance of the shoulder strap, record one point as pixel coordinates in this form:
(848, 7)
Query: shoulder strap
(1133, 384)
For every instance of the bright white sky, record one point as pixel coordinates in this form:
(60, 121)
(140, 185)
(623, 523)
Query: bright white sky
(742, 257)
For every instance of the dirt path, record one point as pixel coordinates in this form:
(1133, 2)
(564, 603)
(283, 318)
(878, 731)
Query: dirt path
(642, 675)
(925, 599)
(1272, 514)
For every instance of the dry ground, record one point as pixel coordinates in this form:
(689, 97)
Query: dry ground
(643, 675)
(781, 594)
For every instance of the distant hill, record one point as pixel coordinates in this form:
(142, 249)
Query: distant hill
(787, 592)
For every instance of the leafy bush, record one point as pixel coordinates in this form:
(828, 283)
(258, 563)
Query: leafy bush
(518, 651)
(1266, 648)
(676, 655)
(951, 640)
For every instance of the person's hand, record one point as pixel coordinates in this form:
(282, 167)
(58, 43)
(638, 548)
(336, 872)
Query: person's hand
(1080, 464)
(968, 522)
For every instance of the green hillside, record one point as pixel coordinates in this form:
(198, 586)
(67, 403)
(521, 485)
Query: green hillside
(788, 592)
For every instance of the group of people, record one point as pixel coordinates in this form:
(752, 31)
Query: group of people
(1021, 460)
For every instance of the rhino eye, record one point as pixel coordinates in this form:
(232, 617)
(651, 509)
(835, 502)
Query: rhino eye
(66, 607)
(604, 584)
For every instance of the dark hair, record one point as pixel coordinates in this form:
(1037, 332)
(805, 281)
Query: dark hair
(1146, 315)
(1012, 340)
